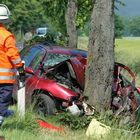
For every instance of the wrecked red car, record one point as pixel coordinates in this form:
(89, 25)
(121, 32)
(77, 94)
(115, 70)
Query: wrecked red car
(38, 59)
(55, 79)
(67, 84)
(67, 80)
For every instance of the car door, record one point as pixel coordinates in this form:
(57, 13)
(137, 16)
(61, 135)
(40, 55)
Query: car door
(32, 58)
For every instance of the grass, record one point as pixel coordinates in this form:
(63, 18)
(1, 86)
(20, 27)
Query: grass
(15, 128)
(83, 43)
(127, 51)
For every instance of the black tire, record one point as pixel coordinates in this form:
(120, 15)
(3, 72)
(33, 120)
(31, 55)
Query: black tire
(44, 104)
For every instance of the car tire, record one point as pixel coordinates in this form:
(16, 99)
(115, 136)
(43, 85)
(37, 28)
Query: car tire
(44, 104)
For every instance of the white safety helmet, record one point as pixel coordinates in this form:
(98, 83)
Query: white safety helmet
(4, 12)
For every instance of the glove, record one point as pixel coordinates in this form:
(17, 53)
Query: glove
(21, 72)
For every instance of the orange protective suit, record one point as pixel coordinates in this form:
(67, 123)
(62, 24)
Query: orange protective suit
(9, 56)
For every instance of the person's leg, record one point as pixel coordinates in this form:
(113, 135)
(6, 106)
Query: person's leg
(5, 99)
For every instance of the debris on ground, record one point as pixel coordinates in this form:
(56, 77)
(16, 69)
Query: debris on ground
(74, 110)
(97, 129)
(44, 124)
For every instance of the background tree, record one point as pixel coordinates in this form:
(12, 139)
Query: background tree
(30, 14)
(58, 10)
(70, 17)
(119, 26)
(133, 26)
(26, 15)
(99, 72)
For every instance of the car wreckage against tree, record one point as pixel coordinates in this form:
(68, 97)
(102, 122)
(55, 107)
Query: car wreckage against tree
(57, 83)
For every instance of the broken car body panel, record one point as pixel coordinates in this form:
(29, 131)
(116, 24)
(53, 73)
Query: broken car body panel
(50, 86)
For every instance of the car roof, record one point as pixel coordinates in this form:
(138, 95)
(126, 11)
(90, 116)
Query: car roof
(53, 48)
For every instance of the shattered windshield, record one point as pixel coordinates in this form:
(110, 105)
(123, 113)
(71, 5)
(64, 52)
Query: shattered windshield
(54, 59)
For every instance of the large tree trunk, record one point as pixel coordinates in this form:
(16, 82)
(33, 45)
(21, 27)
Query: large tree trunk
(99, 72)
(70, 18)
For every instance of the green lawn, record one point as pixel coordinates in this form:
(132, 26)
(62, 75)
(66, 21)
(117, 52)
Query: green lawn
(127, 51)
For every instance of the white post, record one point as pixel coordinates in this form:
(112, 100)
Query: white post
(21, 97)
(21, 102)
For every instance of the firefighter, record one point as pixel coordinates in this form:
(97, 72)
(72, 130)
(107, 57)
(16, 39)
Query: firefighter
(10, 62)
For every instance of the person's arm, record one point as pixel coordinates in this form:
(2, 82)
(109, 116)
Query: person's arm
(12, 52)
(14, 56)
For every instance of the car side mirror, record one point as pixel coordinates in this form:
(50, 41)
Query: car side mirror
(29, 70)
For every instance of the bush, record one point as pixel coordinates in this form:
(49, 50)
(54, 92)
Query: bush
(75, 122)
(52, 38)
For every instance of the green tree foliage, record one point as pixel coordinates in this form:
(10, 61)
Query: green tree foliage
(26, 14)
(133, 28)
(119, 27)
(30, 14)
(56, 9)
(84, 12)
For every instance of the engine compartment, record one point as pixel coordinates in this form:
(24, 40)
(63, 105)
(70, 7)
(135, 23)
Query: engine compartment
(64, 75)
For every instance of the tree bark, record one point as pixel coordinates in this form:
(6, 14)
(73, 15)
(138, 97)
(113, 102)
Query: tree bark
(70, 17)
(100, 63)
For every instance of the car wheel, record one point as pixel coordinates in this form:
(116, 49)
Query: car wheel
(44, 105)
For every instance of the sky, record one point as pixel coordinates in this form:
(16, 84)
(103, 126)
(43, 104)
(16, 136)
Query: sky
(131, 8)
